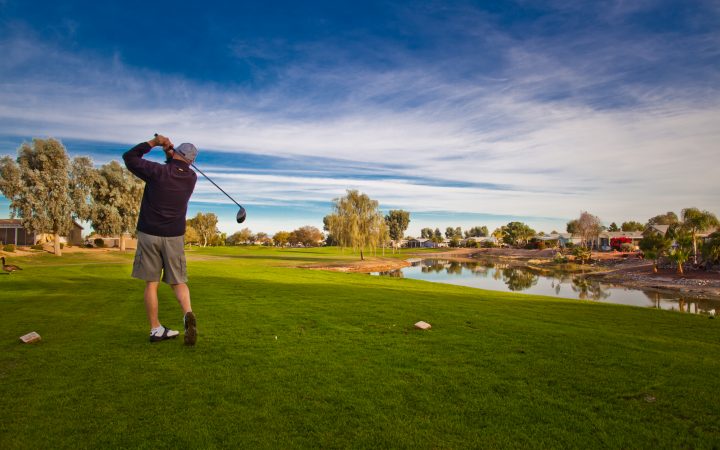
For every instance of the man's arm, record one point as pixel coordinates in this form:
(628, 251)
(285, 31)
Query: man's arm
(142, 168)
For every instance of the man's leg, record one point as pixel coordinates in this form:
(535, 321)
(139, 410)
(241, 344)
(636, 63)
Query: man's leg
(182, 293)
(151, 303)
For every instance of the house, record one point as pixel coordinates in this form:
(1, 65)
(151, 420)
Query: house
(549, 240)
(662, 229)
(73, 238)
(111, 242)
(605, 239)
(566, 238)
(421, 243)
(12, 232)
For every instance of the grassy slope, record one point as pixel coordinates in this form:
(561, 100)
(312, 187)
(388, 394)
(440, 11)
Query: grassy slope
(346, 369)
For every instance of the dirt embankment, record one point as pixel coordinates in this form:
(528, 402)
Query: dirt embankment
(366, 266)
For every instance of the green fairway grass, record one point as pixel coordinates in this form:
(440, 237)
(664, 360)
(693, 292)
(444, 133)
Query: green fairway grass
(289, 357)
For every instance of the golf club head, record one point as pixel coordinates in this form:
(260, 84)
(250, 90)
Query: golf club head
(241, 215)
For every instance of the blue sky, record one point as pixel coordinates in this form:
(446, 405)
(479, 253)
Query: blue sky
(464, 113)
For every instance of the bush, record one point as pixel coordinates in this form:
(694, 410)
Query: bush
(62, 246)
(36, 247)
(559, 258)
(626, 247)
(9, 248)
(99, 243)
(541, 245)
(488, 244)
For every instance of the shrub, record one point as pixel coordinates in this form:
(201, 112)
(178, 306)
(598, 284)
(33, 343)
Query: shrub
(541, 245)
(582, 253)
(36, 247)
(9, 248)
(99, 243)
(560, 258)
(626, 247)
(62, 246)
(488, 244)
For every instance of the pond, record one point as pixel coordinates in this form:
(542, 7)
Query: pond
(503, 277)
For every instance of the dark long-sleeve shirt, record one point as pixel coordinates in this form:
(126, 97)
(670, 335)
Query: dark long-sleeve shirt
(168, 188)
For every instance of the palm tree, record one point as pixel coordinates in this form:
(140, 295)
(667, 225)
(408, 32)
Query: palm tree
(681, 253)
(695, 221)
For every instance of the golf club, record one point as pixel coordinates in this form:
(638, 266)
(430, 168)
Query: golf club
(240, 217)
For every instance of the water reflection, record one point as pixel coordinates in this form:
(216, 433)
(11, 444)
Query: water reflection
(486, 274)
(518, 279)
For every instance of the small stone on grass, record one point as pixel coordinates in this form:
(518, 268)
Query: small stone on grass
(423, 325)
(30, 337)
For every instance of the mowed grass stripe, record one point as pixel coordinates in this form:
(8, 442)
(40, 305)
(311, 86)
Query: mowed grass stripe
(347, 369)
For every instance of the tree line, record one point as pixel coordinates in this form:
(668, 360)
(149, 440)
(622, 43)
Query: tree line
(48, 192)
(203, 230)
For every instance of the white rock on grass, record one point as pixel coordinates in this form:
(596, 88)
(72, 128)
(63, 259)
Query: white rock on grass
(423, 325)
(30, 337)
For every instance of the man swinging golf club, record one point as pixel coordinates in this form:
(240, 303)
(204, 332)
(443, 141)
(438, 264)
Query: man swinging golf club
(160, 251)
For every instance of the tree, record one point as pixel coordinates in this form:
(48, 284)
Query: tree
(281, 238)
(115, 195)
(39, 188)
(477, 232)
(437, 236)
(695, 221)
(356, 221)
(426, 233)
(240, 237)
(517, 233)
(397, 221)
(613, 227)
(587, 227)
(572, 227)
(654, 246)
(307, 236)
(205, 225)
(498, 233)
(711, 248)
(632, 226)
(218, 240)
(262, 238)
(329, 238)
(681, 252)
(669, 218)
(191, 235)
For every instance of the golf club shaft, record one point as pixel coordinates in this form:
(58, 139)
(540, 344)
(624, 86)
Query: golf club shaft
(221, 189)
(208, 178)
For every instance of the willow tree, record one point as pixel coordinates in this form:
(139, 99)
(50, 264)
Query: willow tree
(356, 222)
(39, 188)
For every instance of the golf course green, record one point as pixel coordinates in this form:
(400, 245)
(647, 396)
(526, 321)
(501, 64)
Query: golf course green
(290, 357)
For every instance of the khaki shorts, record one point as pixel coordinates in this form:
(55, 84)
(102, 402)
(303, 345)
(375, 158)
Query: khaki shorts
(158, 255)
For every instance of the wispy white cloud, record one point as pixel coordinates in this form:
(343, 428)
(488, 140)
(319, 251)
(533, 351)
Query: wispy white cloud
(560, 133)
